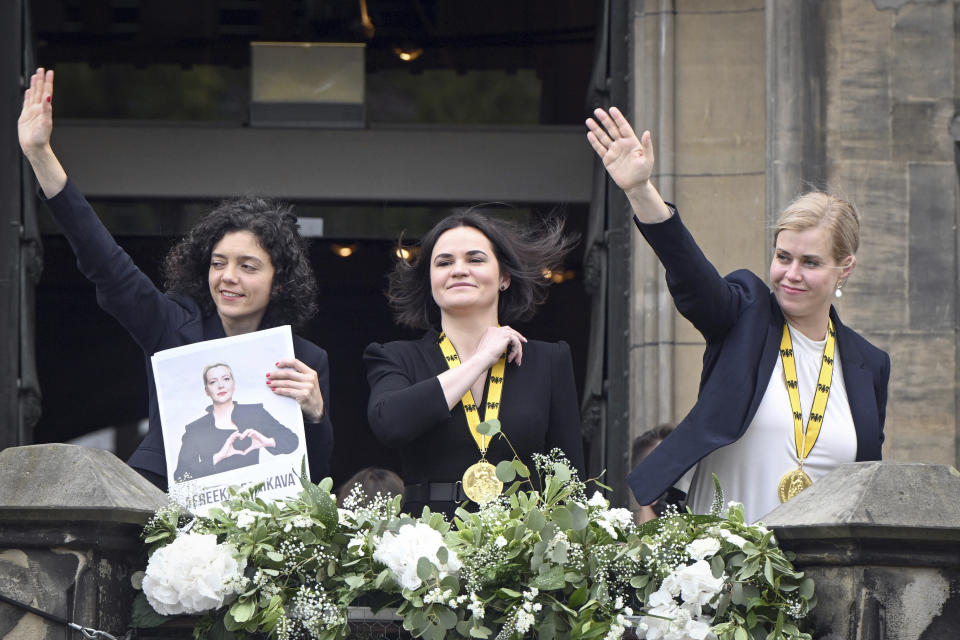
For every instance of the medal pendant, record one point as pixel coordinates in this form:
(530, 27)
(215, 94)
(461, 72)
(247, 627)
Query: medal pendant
(480, 482)
(792, 483)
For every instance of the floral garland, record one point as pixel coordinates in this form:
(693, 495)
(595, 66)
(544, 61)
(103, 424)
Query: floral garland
(549, 562)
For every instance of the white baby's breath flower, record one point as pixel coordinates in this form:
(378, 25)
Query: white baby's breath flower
(246, 517)
(500, 542)
(192, 574)
(612, 519)
(476, 607)
(524, 621)
(597, 500)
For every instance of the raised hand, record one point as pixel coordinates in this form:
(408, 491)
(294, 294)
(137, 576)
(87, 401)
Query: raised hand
(294, 379)
(34, 129)
(36, 119)
(628, 160)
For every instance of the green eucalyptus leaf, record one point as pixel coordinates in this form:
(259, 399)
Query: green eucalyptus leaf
(562, 517)
(425, 569)
(551, 580)
(490, 427)
(442, 555)
(535, 520)
(638, 582)
(521, 469)
(806, 589)
(446, 618)
(243, 610)
(578, 517)
(505, 471)
(355, 582)
(717, 565)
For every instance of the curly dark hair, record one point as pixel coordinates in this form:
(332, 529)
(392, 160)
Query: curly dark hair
(524, 253)
(293, 294)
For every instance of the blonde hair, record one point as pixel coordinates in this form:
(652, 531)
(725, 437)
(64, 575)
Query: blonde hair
(818, 209)
(214, 366)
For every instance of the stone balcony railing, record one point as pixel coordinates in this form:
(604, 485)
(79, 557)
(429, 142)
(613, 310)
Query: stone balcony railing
(881, 540)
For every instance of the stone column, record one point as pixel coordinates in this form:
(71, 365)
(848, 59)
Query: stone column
(70, 522)
(882, 542)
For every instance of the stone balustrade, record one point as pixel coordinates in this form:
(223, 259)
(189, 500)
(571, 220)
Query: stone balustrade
(881, 540)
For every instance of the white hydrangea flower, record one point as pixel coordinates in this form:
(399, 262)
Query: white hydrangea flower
(192, 574)
(703, 548)
(400, 552)
(697, 584)
(500, 542)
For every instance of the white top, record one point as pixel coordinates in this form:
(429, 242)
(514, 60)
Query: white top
(750, 468)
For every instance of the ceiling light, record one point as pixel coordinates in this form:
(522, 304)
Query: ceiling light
(408, 52)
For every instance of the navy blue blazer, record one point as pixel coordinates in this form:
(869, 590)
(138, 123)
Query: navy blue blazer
(160, 321)
(742, 323)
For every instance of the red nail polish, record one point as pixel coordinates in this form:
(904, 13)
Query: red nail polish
(268, 375)
(49, 98)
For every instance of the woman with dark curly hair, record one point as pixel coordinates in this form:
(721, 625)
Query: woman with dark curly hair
(474, 275)
(242, 268)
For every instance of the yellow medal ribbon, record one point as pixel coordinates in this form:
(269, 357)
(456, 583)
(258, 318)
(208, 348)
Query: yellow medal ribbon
(796, 480)
(480, 481)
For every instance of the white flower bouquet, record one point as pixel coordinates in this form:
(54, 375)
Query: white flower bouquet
(716, 578)
(543, 560)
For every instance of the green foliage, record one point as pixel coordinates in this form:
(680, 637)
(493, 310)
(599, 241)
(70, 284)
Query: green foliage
(550, 562)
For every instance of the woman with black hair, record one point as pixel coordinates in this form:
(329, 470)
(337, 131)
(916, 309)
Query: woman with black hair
(472, 273)
(242, 268)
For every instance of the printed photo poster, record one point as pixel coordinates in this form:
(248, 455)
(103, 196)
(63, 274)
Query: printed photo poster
(222, 425)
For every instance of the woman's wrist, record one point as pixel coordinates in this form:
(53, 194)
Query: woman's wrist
(647, 204)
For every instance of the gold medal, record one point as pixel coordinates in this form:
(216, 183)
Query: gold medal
(792, 483)
(796, 480)
(480, 482)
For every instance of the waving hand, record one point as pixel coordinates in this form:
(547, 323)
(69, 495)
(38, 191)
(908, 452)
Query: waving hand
(628, 160)
(34, 128)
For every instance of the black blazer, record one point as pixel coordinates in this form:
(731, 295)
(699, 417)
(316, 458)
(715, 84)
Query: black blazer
(407, 409)
(742, 323)
(202, 439)
(160, 321)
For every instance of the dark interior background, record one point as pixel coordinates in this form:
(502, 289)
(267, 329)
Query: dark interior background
(490, 64)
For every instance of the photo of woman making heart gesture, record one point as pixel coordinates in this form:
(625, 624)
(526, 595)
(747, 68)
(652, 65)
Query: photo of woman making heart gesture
(230, 435)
